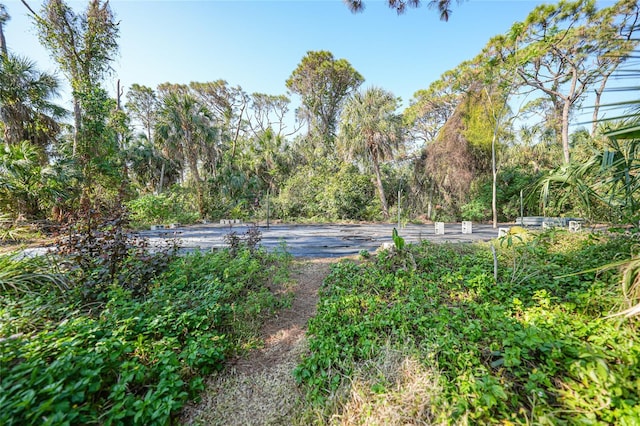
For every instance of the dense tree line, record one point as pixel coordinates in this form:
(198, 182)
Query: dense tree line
(459, 151)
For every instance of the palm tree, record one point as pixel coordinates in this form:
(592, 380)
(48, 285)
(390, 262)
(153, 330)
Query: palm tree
(370, 130)
(183, 128)
(26, 109)
(27, 186)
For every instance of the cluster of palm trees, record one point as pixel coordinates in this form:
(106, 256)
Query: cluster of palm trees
(30, 125)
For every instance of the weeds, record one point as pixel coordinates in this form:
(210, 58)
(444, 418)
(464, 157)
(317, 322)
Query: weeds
(536, 348)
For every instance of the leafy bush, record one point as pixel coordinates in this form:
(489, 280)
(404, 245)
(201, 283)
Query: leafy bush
(101, 253)
(140, 359)
(173, 207)
(349, 194)
(533, 347)
(475, 210)
(341, 194)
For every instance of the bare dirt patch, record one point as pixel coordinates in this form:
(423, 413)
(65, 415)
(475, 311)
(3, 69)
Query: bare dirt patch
(259, 389)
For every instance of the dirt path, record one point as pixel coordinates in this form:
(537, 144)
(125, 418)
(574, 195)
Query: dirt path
(259, 389)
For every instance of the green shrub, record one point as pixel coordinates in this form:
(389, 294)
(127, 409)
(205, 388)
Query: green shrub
(349, 194)
(174, 207)
(476, 211)
(328, 194)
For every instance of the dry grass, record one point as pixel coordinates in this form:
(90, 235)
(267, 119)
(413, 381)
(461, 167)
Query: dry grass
(263, 395)
(394, 389)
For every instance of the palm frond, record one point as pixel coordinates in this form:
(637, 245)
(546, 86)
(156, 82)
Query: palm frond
(23, 274)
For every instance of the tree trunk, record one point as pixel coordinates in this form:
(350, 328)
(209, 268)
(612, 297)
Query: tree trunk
(494, 185)
(568, 101)
(235, 139)
(383, 198)
(77, 116)
(596, 107)
(565, 131)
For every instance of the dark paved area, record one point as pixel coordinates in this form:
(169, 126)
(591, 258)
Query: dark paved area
(320, 240)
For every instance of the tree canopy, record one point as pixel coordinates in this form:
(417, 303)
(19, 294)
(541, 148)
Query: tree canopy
(323, 83)
(400, 6)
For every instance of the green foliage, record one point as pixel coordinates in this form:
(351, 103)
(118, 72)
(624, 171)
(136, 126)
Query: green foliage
(148, 166)
(349, 195)
(98, 150)
(27, 186)
(140, 359)
(323, 82)
(476, 210)
(531, 347)
(26, 110)
(511, 180)
(479, 126)
(608, 178)
(398, 241)
(371, 131)
(29, 275)
(322, 193)
(169, 207)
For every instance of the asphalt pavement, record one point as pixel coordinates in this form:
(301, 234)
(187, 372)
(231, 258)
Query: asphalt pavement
(323, 240)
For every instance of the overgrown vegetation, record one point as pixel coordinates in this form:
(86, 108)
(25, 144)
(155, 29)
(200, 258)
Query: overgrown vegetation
(108, 330)
(125, 345)
(166, 208)
(537, 346)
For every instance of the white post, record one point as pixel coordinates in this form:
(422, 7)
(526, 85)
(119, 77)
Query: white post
(467, 227)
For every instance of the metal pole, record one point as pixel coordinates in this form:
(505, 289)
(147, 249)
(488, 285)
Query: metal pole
(521, 209)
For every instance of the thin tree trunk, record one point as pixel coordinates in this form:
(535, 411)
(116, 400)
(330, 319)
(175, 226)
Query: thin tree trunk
(235, 139)
(383, 198)
(568, 100)
(565, 132)
(596, 107)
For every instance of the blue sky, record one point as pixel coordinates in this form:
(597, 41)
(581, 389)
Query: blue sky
(257, 44)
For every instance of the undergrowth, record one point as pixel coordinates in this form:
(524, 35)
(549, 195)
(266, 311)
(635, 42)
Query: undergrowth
(127, 354)
(535, 347)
